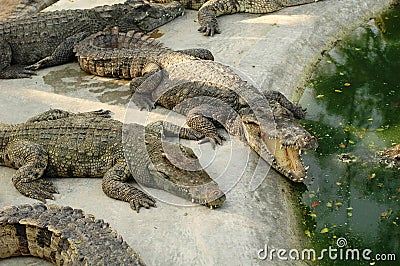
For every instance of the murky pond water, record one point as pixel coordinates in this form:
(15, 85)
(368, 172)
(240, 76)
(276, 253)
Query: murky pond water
(353, 106)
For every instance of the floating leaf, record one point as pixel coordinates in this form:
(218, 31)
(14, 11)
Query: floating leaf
(338, 203)
(313, 215)
(357, 49)
(314, 204)
(394, 197)
(384, 214)
(307, 232)
(398, 190)
(373, 175)
(380, 184)
(341, 145)
(338, 91)
(347, 84)
(379, 129)
(351, 141)
(329, 204)
(349, 208)
(311, 196)
(370, 119)
(349, 214)
(395, 224)
(319, 96)
(325, 230)
(329, 61)
(338, 183)
(341, 73)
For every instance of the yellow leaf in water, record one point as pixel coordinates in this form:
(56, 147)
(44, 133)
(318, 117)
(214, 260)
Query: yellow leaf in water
(329, 204)
(349, 214)
(325, 230)
(370, 119)
(357, 49)
(351, 142)
(307, 232)
(338, 183)
(320, 96)
(313, 215)
(338, 91)
(329, 61)
(341, 145)
(341, 73)
(338, 203)
(347, 84)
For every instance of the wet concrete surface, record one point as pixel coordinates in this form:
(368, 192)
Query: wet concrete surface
(275, 51)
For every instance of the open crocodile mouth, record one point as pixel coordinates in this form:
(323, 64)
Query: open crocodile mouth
(285, 158)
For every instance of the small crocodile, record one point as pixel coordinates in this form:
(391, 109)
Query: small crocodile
(46, 39)
(205, 91)
(209, 10)
(58, 143)
(62, 236)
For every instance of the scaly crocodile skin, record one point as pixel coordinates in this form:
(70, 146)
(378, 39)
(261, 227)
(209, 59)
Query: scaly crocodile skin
(61, 235)
(58, 143)
(205, 91)
(209, 10)
(46, 39)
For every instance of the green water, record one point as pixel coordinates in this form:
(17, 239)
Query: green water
(353, 103)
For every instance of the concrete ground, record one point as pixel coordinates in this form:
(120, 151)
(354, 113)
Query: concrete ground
(276, 51)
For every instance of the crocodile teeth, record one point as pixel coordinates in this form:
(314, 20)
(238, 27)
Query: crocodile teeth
(307, 167)
(211, 207)
(193, 200)
(299, 152)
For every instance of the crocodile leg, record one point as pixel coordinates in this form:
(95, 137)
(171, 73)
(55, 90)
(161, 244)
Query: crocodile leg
(114, 185)
(206, 127)
(297, 111)
(31, 161)
(62, 54)
(7, 71)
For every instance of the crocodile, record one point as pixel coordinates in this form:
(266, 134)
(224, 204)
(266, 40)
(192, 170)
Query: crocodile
(209, 10)
(62, 235)
(203, 90)
(59, 143)
(46, 39)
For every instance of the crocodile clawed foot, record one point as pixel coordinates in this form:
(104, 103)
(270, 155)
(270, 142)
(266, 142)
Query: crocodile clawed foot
(39, 189)
(209, 29)
(35, 66)
(213, 138)
(143, 200)
(16, 72)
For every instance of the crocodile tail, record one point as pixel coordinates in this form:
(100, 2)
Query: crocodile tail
(61, 235)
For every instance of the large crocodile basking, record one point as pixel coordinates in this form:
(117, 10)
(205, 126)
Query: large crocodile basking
(209, 10)
(58, 143)
(205, 91)
(46, 39)
(62, 236)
